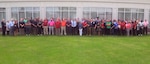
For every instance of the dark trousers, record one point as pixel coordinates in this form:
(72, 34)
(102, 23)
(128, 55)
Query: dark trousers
(28, 30)
(21, 31)
(107, 31)
(89, 31)
(116, 31)
(123, 32)
(85, 31)
(3, 31)
(34, 30)
(145, 30)
(93, 31)
(134, 32)
(11, 32)
(74, 31)
(68, 30)
(40, 30)
(102, 31)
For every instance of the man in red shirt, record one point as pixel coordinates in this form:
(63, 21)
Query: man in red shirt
(45, 26)
(123, 28)
(57, 26)
(63, 27)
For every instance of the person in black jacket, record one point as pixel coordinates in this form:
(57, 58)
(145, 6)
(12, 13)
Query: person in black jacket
(3, 27)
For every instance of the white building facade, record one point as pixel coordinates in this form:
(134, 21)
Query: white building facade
(104, 9)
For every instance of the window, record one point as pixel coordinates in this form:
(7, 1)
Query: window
(61, 12)
(2, 14)
(102, 13)
(25, 12)
(130, 14)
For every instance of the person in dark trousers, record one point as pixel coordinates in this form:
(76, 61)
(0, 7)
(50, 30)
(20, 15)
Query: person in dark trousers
(102, 26)
(21, 27)
(39, 26)
(3, 27)
(34, 26)
(68, 27)
(11, 27)
(108, 25)
(73, 25)
(28, 28)
(7, 27)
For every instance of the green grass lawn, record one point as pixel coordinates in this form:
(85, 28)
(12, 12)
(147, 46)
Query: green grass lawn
(74, 50)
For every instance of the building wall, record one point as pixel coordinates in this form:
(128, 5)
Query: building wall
(79, 4)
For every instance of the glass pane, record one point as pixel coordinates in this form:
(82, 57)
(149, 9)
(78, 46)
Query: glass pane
(86, 14)
(72, 8)
(127, 9)
(93, 14)
(28, 14)
(108, 10)
(86, 8)
(49, 14)
(121, 16)
(72, 15)
(21, 15)
(134, 16)
(28, 8)
(36, 8)
(14, 9)
(56, 9)
(134, 10)
(109, 15)
(65, 8)
(14, 15)
(101, 15)
(64, 14)
(141, 10)
(49, 9)
(120, 9)
(36, 14)
(141, 16)
(21, 9)
(94, 9)
(127, 16)
(101, 10)
(2, 9)
(57, 14)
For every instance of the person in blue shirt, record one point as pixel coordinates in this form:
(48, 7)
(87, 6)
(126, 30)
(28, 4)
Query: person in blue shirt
(74, 26)
(11, 27)
(80, 26)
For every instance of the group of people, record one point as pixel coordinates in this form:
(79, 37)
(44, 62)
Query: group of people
(77, 26)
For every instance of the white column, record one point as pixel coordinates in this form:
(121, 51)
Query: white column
(146, 14)
(115, 13)
(42, 12)
(8, 13)
(79, 12)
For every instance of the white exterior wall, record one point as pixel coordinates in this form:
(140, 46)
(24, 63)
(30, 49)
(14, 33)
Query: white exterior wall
(79, 4)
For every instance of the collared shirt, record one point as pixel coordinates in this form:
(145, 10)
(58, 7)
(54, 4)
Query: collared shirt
(11, 24)
(51, 23)
(63, 23)
(73, 23)
(145, 23)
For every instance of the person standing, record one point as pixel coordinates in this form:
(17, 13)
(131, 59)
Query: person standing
(57, 26)
(16, 28)
(21, 27)
(3, 27)
(80, 28)
(7, 27)
(73, 25)
(11, 27)
(63, 27)
(51, 24)
(39, 27)
(128, 28)
(108, 25)
(145, 27)
(34, 26)
(28, 28)
(102, 26)
(68, 27)
(45, 27)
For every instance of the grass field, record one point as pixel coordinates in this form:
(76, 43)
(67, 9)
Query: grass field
(74, 50)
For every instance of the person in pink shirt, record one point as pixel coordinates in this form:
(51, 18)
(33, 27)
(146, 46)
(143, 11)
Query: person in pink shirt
(128, 28)
(145, 27)
(51, 24)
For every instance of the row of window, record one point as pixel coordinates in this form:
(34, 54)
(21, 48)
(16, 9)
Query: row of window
(70, 12)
